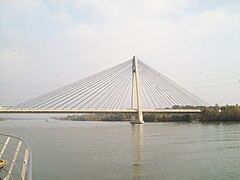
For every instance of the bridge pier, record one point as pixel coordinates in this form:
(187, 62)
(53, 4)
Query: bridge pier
(136, 118)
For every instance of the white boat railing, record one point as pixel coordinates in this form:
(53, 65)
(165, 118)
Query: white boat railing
(16, 157)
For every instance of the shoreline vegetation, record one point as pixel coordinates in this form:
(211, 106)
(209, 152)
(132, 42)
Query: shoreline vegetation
(209, 114)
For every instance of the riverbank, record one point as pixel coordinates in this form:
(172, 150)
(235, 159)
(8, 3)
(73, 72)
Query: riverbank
(221, 114)
(209, 114)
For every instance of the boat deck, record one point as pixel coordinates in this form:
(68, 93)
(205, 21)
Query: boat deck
(15, 158)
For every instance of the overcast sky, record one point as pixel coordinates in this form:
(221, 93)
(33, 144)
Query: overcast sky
(45, 44)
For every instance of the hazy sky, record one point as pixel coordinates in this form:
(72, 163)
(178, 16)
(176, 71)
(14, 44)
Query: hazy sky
(45, 44)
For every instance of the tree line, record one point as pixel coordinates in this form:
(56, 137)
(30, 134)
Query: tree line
(223, 114)
(208, 114)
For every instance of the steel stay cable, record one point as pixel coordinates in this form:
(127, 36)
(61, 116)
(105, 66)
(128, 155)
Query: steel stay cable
(99, 92)
(77, 83)
(177, 85)
(144, 95)
(64, 96)
(158, 94)
(51, 92)
(174, 100)
(163, 78)
(119, 100)
(127, 90)
(151, 89)
(169, 88)
(103, 103)
(101, 76)
(116, 101)
(175, 94)
(103, 86)
(183, 96)
(85, 91)
(72, 95)
(115, 81)
(154, 78)
(93, 92)
(117, 91)
(118, 85)
(161, 90)
(149, 94)
(178, 94)
(147, 88)
(51, 98)
(123, 93)
(108, 99)
(142, 75)
(105, 94)
(181, 88)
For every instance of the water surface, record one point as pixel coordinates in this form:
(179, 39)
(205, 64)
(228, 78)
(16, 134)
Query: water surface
(116, 150)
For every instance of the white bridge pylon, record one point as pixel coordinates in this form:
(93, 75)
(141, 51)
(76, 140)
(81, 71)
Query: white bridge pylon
(130, 87)
(136, 93)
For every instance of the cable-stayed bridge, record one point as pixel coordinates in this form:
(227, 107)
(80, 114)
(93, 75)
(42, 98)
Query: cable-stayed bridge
(130, 87)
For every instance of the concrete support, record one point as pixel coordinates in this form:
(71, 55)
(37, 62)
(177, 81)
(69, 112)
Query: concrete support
(136, 94)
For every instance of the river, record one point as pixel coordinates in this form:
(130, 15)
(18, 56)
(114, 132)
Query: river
(65, 150)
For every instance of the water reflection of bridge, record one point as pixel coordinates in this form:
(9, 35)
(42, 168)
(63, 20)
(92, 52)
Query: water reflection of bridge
(131, 87)
(137, 151)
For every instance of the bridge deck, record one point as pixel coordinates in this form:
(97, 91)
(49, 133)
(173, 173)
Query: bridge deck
(70, 111)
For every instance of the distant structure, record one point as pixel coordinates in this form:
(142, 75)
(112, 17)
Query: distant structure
(131, 87)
